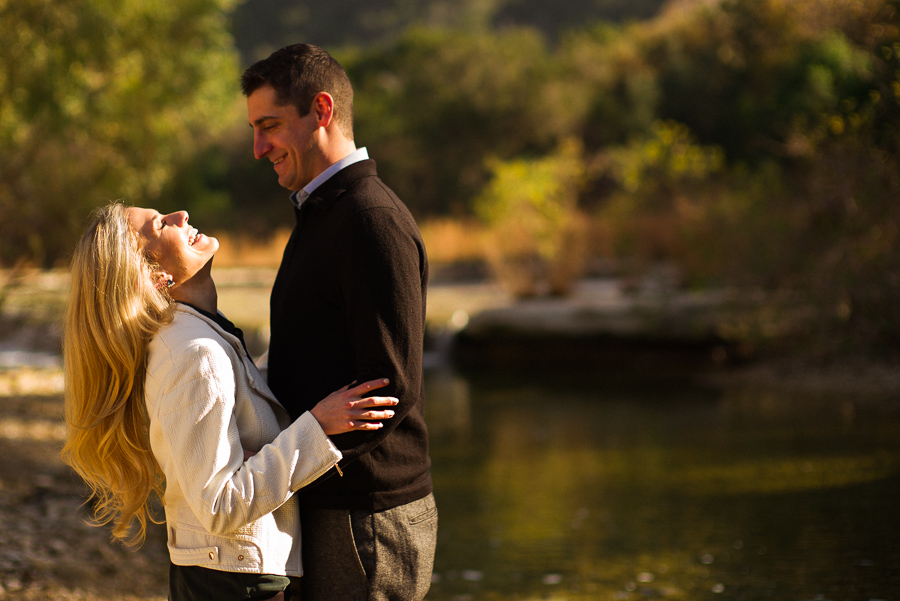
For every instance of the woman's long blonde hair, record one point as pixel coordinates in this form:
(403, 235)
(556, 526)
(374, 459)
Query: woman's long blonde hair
(113, 311)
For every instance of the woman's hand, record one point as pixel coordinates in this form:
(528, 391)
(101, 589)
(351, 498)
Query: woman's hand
(346, 409)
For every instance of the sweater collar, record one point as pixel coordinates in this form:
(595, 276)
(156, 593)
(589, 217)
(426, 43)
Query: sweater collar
(325, 195)
(300, 196)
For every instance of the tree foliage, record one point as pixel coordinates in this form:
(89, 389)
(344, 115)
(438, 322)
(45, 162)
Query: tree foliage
(751, 142)
(536, 234)
(433, 106)
(262, 26)
(804, 100)
(100, 101)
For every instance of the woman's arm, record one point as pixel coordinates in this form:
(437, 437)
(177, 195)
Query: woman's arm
(197, 418)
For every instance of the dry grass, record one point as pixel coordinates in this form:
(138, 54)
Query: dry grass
(453, 240)
(447, 240)
(243, 251)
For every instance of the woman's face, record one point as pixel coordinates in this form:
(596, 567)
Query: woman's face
(180, 249)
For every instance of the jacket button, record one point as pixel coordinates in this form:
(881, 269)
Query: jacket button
(240, 558)
(212, 555)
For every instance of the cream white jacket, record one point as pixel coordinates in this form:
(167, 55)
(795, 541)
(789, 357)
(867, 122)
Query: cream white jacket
(207, 404)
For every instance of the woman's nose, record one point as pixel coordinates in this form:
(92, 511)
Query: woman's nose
(178, 218)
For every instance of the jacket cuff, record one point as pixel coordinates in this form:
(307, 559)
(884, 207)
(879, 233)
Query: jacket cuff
(325, 454)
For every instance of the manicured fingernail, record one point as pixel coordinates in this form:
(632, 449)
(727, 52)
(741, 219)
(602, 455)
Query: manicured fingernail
(386, 381)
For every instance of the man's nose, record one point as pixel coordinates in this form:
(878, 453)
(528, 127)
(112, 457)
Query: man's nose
(261, 146)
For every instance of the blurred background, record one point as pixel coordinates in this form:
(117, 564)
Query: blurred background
(743, 143)
(665, 250)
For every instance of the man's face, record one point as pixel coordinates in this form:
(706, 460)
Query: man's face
(284, 137)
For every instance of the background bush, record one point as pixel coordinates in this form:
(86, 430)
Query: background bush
(750, 143)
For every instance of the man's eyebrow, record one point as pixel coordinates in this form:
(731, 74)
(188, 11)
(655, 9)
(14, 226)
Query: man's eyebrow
(262, 119)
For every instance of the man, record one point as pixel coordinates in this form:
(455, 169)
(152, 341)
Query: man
(348, 303)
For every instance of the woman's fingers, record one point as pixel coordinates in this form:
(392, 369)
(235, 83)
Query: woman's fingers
(371, 385)
(375, 401)
(369, 420)
(377, 415)
(365, 425)
(367, 414)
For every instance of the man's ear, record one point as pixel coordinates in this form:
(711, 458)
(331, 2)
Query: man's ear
(323, 105)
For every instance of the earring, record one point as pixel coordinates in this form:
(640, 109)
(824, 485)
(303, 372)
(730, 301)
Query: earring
(170, 282)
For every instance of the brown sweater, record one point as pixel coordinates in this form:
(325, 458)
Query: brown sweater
(348, 304)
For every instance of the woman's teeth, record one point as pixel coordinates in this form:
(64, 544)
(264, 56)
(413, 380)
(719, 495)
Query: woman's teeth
(192, 237)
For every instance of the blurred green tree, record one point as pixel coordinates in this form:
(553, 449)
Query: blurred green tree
(100, 101)
(662, 182)
(757, 76)
(607, 83)
(437, 103)
(535, 237)
(803, 97)
(261, 26)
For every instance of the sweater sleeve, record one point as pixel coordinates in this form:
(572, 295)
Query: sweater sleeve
(205, 455)
(382, 281)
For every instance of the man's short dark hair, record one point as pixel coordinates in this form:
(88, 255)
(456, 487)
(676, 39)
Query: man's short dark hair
(299, 72)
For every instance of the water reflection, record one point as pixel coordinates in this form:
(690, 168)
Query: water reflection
(569, 488)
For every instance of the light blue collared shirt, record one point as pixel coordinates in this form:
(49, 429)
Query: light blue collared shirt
(298, 197)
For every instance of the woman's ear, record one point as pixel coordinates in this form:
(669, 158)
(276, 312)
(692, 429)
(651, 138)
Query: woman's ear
(161, 280)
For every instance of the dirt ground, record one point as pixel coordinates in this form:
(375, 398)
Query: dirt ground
(48, 551)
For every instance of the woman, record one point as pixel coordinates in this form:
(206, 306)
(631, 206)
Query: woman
(162, 397)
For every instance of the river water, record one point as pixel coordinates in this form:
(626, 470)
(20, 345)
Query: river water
(569, 487)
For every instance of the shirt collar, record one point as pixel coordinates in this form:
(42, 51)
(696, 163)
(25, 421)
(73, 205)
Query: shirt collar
(298, 197)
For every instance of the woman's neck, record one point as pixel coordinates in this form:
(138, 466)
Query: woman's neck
(199, 291)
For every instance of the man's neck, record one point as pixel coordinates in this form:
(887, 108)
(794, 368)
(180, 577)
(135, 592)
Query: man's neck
(334, 148)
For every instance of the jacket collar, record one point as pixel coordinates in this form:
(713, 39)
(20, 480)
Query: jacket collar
(255, 378)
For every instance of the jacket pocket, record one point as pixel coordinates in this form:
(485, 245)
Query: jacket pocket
(235, 553)
(198, 556)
